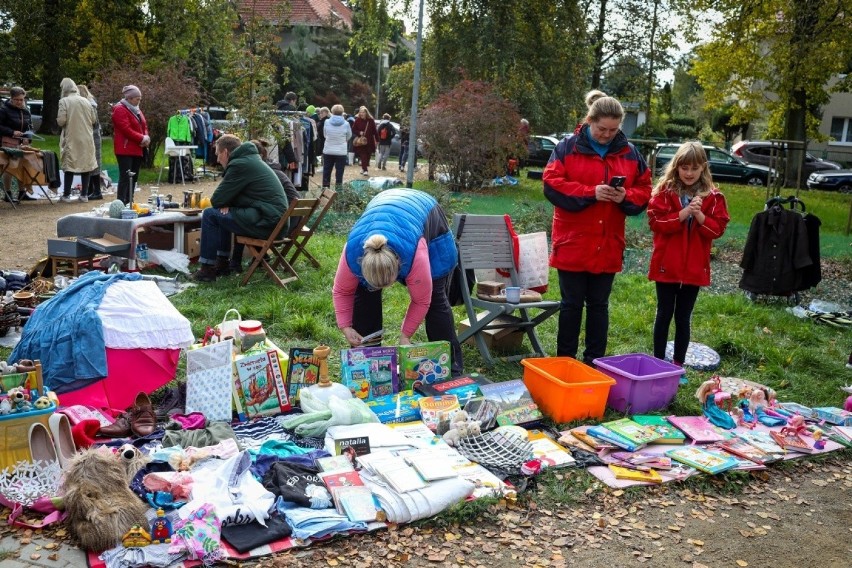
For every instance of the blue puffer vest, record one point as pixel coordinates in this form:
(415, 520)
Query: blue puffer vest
(404, 216)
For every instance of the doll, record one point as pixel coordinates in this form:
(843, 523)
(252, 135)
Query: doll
(720, 397)
(717, 416)
(757, 406)
(740, 417)
(796, 425)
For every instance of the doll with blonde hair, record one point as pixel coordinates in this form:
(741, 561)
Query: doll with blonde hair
(686, 214)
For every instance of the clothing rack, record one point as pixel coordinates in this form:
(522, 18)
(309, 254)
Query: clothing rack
(792, 201)
(205, 147)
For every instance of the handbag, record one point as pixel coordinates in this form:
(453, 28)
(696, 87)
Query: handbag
(10, 142)
(359, 141)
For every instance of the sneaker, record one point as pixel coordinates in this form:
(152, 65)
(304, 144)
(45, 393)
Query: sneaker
(65, 199)
(364, 173)
(84, 199)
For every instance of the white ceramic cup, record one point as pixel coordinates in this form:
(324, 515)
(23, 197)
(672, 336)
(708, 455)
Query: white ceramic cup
(513, 294)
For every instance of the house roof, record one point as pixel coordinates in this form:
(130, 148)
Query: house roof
(302, 12)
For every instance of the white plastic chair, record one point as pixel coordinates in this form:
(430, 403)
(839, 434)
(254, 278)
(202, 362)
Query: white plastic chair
(171, 150)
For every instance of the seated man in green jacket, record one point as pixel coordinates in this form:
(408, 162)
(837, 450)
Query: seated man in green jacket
(249, 201)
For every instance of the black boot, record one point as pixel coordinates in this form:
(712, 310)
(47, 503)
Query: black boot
(207, 273)
(222, 268)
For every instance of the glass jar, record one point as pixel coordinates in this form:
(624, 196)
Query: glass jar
(250, 333)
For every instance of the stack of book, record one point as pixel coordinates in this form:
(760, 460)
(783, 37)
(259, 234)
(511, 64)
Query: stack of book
(351, 497)
(624, 433)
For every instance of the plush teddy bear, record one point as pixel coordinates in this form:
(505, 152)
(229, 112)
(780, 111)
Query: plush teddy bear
(461, 427)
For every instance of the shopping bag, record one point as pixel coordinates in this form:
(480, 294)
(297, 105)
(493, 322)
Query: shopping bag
(531, 261)
(208, 380)
(228, 328)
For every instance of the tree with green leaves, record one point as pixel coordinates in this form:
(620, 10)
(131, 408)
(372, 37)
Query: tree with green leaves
(775, 58)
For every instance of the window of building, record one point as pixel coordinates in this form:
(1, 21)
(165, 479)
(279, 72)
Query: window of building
(841, 130)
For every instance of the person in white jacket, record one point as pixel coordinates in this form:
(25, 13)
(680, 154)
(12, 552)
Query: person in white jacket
(334, 152)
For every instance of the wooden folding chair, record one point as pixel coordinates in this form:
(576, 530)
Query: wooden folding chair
(484, 242)
(275, 243)
(307, 231)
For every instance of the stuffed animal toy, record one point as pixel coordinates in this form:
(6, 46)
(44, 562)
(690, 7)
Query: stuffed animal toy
(461, 427)
(18, 398)
(132, 459)
(42, 402)
(5, 407)
(100, 505)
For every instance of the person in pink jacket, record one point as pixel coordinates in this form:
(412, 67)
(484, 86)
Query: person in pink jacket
(130, 138)
(686, 214)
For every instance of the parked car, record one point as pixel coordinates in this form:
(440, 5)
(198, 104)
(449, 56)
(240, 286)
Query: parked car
(395, 143)
(222, 119)
(35, 113)
(834, 180)
(723, 165)
(539, 150)
(759, 152)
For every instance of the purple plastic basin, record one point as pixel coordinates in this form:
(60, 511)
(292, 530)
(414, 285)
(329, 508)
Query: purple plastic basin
(642, 383)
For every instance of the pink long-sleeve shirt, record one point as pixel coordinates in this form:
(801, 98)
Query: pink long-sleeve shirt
(418, 282)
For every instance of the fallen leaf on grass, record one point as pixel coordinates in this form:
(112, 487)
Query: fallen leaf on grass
(695, 542)
(742, 563)
(674, 528)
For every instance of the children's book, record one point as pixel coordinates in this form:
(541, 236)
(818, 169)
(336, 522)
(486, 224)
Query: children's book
(642, 459)
(703, 460)
(335, 480)
(302, 371)
(611, 437)
(549, 452)
(763, 441)
(360, 445)
(372, 339)
(334, 463)
(399, 475)
(668, 433)
(369, 372)
(464, 388)
(424, 363)
(843, 431)
(797, 409)
(261, 382)
(649, 476)
(566, 438)
(358, 503)
(633, 431)
(741, 448)
(792, 442)
(833, 415)
(698, 428)
(403, 406)
(517, 407)
(582, 434)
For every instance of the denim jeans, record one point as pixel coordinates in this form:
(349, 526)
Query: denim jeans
(581, 289)
(216, 231)
(674, 301)
(330, 161)
(440, 323)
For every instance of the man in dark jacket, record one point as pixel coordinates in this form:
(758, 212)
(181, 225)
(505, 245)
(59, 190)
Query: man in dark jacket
(249, 201)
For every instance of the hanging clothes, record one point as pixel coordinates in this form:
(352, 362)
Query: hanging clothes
(178, 129)
(777, 252)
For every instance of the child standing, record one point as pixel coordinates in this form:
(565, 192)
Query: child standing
(686, 213)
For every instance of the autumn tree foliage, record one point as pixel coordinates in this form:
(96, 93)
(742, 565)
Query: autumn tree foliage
(469, 133)
(164, 92)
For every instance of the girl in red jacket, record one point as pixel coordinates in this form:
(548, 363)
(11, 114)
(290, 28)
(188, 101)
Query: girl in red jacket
(686, 213)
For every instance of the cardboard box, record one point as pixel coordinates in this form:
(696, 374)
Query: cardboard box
(156, 238)
(108, 243)
(503, 339)
(67, 247)
(192, 243)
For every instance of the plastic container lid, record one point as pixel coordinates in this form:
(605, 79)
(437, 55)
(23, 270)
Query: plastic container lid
(250, 326)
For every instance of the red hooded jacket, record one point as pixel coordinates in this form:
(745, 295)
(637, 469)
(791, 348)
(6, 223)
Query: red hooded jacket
(682, 249)
(588, 235)
(128, 131)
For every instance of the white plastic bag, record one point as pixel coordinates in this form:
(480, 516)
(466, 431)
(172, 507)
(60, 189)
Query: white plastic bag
(170, 260)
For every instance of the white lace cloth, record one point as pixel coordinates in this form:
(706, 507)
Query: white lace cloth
(137, 315)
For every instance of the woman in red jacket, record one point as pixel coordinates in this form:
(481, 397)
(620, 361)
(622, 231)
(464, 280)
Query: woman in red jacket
(365, 126)
(686, 214)
(588, 219)
(130, 138)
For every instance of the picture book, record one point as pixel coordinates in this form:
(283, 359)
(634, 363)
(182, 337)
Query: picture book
(640, 460)
(424, 363)
(369, 372)
(372, 339)
(261, 382)
(649, 476)
(403, 406)
(633, 431)
(791, 441)
(334, 463)
(517, 407)
(668, 433)
(335, 480)
(464, 387)
(607, 435)
(763, 441)
(358, 503)
(740, 448)
(843, 431)
(434, 409)
(698, 428)
(548, 451)
(485, 483)
(702, 459)
(796, 409)
(360, 445)
(302, 371)
(833, 415)
(582, 434)
(840, 435)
